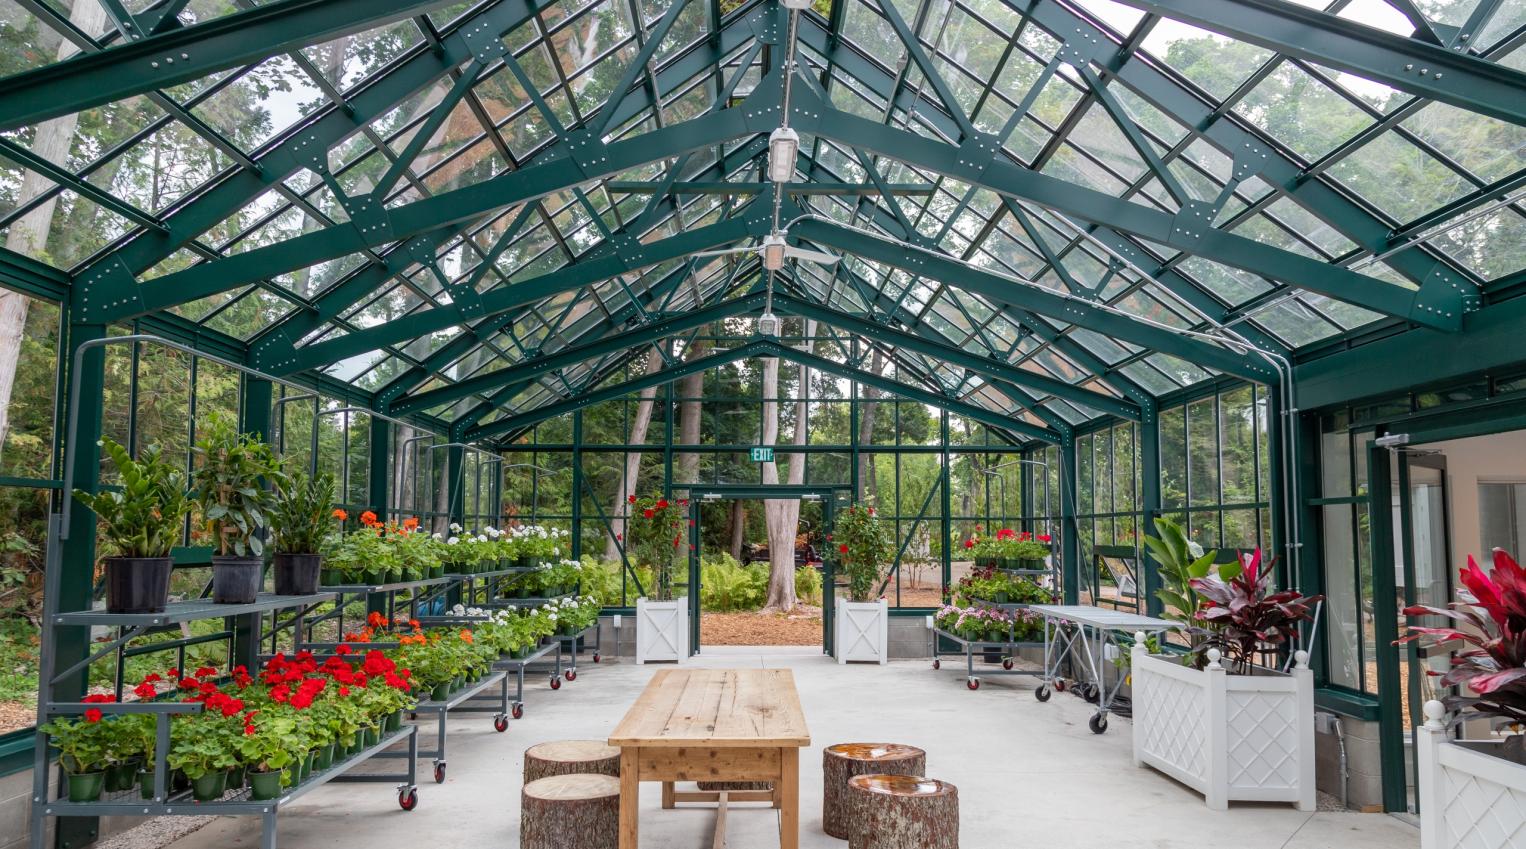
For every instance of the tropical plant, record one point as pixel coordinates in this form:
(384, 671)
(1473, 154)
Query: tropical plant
(1491, 617)
(301, 513)
(1248, 617)
(229, 482)
(1182, 561)
(863, 547)
(145, 517)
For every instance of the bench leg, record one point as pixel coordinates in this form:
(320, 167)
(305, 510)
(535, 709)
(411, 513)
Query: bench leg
(789, 798)
(667, 794)
(630, 792)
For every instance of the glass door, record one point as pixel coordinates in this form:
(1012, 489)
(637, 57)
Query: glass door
(1423, 576)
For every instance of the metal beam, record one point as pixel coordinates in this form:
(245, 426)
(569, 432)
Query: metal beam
(190, 53)
(995, 369)
(980, 161)
(1407, 64)
(626, 258)
(587, 159)
(756, 348)
(530, 369)
(720, 187)
(1006, 290)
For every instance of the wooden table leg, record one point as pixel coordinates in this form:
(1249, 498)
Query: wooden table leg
(667, 794)
(789, 798)
(630, 798)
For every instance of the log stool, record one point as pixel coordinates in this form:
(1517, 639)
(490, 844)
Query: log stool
(845, 760)
(571, 757)
(902, 812)
(570, 812)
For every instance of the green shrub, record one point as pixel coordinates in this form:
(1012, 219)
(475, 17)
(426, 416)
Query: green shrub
(808, 585)
(726, 585)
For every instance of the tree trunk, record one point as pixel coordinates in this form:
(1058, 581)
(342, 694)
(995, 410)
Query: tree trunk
(690, 413)
(628, 480)
(902, 812)
(845, 760)
(570, 812)
(29, 235)
(571, 757)
(738, 528)
(866, 479)
(782, 515)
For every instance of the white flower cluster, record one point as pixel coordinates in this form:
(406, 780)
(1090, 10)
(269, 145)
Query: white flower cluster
(463, 610)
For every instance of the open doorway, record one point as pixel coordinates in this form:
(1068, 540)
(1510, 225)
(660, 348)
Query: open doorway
(735, 563)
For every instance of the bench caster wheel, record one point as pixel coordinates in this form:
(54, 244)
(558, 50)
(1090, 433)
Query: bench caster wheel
(570, 675)
(556, 683)
(595, 657)
(973, 683)
(408, 799)
(439, 772)
(937, 664)
(1006, 664)
(1098, 723)
(500, 723)
(1042, 693)
(1059, 686)
(519, 710)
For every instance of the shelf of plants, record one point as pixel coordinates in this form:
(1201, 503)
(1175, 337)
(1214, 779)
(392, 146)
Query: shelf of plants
(989, 612)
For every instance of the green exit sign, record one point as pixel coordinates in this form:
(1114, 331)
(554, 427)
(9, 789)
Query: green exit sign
(763, 454)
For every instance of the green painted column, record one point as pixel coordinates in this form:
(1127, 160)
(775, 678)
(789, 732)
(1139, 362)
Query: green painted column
(1149, 503)
(1385, 622)
(945, 523)
(455, 484)
(253, 419)
(378, 485)
(1070, 538)
(577, 488)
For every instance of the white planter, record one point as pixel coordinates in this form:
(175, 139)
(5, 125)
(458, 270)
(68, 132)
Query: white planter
(662, 629)
(861, 631)
(1230, 737)
(1469, 797)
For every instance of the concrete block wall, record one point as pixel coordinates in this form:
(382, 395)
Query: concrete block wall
(16, 810)
(1364, 786)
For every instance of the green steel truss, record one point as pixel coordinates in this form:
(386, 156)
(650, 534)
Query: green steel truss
(483, 215)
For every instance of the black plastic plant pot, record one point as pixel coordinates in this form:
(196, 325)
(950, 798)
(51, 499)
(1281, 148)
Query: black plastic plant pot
(236, 580)
(137, 584)
(297, 574)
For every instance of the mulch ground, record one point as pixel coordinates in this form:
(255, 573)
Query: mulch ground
(802, 628)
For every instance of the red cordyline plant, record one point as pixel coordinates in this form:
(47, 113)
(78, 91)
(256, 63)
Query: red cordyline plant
(1243, 618)
(1491, 613)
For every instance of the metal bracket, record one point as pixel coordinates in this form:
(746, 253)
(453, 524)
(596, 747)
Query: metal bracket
(311, 153)
(1446, 293)
(106, 290)
(484, 42)
(369, 217)
(765, 28)
(626, 246)
(1082, 47)
(978, 151)
(586, 150)
(1191, 223)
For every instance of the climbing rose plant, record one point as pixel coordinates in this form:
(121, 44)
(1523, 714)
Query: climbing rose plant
(657, 539)
(863, 546)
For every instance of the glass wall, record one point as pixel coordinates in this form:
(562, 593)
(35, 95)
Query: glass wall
(1214, 469)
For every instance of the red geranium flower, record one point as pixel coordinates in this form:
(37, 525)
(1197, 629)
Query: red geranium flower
(843, 548)
(969, 543)
(93, 715)
(145, 691)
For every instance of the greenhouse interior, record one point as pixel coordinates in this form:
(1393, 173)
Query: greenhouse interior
(560, 423)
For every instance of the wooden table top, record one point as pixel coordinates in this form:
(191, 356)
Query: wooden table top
(715, 708)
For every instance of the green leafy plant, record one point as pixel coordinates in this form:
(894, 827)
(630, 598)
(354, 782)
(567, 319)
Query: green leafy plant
(229, 481)
(144, 517)
(863, 547)
(656, 539)
(1181, 562)
(301, 513)
(203, 743)
(85, 742)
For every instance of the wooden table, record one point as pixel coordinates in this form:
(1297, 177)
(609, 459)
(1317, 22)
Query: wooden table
(714, 725)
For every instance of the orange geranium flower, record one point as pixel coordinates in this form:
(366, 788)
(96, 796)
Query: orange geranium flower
(340, 514)
(411, 523)
(466, 635)
(368, 518)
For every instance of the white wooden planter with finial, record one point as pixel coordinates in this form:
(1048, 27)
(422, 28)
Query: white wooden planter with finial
(1470, 797)
(1230, 737)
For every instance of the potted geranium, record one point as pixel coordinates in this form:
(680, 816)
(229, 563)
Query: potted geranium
(862, 621)
(84, 744)
(1465, 786)
(203, 748)
(142, 521)
(300, 519)
(1220, 719)
(656, 537)
(231, 486)
(267, 746)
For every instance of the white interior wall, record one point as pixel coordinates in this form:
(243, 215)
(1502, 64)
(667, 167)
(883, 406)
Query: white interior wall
(1499, 458)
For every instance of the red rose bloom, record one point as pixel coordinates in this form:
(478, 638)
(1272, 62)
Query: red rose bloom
(647, 513)
(843, 548)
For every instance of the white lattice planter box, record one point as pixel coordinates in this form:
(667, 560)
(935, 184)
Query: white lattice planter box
(1470, 797)
(1230, 737)
(662, 629)
(862, 631)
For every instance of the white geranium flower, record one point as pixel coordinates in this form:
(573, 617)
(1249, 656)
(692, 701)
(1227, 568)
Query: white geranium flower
(437, 536)
(455, 527)
(452, 540)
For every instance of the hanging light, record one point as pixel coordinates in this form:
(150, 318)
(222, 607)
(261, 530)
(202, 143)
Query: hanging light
(773, 251)
(768, 324)
(783, 146)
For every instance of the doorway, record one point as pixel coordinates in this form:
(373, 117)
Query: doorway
(719, 581)
(1434, 503)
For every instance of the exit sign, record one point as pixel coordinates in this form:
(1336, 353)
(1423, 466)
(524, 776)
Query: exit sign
(763, 454)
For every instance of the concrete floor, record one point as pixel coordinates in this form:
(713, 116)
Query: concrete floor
(1028, 773)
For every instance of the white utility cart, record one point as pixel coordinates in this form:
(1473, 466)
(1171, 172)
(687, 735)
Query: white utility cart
(1087, 636)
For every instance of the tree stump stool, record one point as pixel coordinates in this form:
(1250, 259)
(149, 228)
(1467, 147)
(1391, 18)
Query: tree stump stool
(845, 760)
(570, 812)
(902, 812)
(571, 757)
